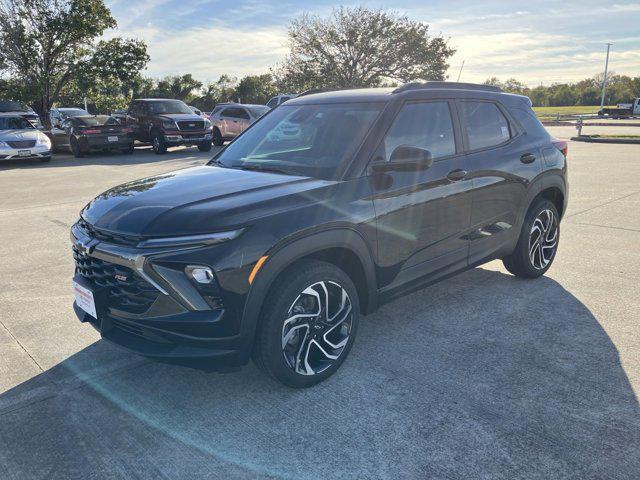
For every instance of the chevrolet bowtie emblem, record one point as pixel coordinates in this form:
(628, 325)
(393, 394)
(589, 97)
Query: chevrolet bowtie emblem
(86, 245)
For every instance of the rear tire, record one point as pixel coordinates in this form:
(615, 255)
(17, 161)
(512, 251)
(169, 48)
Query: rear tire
(218, 141)
(76, 149)
(204, 146)
(538, 242)
(308, 325)
(129, 150)
(158, 143)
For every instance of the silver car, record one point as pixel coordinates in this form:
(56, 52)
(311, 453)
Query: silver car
(20, 140)
(230, 120)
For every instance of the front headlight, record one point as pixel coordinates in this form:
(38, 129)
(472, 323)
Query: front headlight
(191, 240)
(207, 124)
(43, 141)
(169, 125)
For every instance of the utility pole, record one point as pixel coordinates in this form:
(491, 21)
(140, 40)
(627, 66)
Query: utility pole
(604, 80)
(460, 72)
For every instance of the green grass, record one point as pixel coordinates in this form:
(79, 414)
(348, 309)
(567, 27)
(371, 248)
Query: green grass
(546, 112)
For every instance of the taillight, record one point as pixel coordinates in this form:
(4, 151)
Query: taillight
(90, 131)
(561, 145)
(127, 130)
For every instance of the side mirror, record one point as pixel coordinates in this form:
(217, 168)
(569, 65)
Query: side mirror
(406, 158)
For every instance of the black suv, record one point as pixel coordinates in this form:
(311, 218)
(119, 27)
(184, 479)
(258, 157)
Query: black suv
(326, 207)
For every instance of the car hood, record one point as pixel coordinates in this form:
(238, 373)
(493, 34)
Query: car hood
(14, 135)
(200, 200)
(183, 117)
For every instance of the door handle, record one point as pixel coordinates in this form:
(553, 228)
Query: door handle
(528, 158)
(457, 175)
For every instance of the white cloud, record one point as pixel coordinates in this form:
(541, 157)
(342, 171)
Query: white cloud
(208, 52)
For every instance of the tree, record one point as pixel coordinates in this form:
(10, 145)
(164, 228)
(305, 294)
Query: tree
(358, 47)
(256, 88)
(50, 45)
(222, 90)
(180, 87)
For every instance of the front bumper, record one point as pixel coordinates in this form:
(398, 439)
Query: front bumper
(191, 138)
(33, 153)
(176, 325)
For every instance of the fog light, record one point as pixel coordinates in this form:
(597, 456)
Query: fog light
(202, 275)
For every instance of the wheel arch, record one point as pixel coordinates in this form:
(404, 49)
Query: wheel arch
(342, 247)
(551, 186)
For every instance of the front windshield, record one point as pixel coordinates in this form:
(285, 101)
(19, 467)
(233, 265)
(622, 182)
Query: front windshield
(310, 140)
(10, 106)
(14, 123)
(168, 106)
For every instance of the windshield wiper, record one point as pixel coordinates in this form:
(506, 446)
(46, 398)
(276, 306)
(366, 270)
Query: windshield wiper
(263, 168)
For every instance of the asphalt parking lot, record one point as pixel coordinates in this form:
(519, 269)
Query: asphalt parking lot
(482, 376)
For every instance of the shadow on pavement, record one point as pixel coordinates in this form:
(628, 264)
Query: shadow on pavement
(481, 376)
(141, 155)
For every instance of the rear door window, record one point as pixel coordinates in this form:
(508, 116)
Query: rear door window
(484, 124)
(230, 112)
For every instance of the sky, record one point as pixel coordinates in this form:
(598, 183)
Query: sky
(536, 42)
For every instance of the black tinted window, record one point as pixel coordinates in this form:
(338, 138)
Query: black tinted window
(423, 125)
(485, 124)
(235, 112)
(229, 112)
(96, 121)
(159, 107)
(14, 123)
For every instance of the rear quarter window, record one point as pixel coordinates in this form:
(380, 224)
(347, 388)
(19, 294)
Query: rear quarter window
(484, 124)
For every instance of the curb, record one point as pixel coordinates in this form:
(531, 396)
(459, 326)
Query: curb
(590, 139)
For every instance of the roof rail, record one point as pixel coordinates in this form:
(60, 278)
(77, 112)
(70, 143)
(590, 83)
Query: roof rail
(448, 85)
(311, 91)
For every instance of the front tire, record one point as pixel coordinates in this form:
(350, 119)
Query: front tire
(204, 146)
(218, 141)
(309, 324)
(129, 150)
(158, 143)
(538, 243)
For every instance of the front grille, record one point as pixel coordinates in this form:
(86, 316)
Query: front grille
(128, 291)
(22, 143)
(117, 238)
(191, 125)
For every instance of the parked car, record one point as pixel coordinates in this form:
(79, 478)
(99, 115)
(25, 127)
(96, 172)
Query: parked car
(19, 139)
(232, 119)
(59, 115)
(279, 99)
(84, 134)
(17, 108)
(166, 123)
(274, 248)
